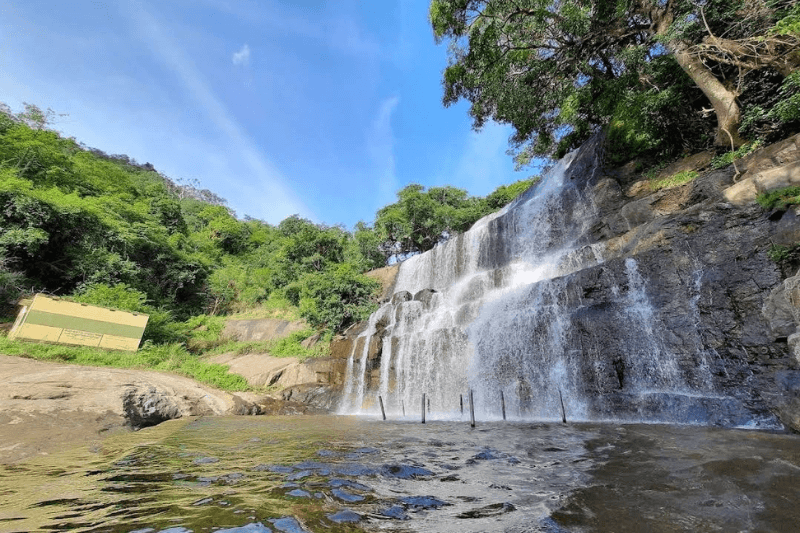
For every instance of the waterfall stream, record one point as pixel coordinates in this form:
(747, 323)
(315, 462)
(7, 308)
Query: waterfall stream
(496, 310)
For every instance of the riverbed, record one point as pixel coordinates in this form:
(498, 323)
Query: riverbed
(336, 473)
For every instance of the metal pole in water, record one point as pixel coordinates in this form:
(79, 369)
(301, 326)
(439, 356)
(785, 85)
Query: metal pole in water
(503, 404)
(423, 407)
(403, 405)
(383, 411)
(429, 405)
(563, 411)
(471, 408)
(461, 402)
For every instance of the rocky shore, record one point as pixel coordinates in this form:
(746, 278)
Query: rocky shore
(47, 406)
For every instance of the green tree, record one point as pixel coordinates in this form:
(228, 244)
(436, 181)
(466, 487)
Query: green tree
(364, 249)
(422, 218)
(337, 298)
(557, 70)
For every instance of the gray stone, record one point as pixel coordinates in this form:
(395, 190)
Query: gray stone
(402, 296)
(638, 212)
(607, 194)
(782, 308)
(263, 329)
(787, 231)
(425, 296)
(718, 301)
(777, 178)
(793, 341)
(148, 406)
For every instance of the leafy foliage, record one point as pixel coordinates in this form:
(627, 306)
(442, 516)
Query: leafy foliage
(105, 230)
(780, 198)
(109, 231)
(557, 71)
(420, 219)
(728, 157)
(337, 298)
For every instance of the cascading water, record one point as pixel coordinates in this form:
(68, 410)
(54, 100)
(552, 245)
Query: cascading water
(495, 310)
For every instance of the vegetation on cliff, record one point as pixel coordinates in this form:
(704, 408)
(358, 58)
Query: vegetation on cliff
(656, 73)
(106, 230)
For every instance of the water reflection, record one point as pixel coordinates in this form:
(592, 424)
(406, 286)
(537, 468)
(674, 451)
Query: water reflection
(308, 474)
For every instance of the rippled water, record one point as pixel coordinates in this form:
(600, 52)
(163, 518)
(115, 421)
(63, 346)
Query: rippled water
(259, 474)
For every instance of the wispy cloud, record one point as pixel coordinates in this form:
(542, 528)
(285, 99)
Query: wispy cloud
(335, 31)
(242, 57)
(266, 187)
(381, 149)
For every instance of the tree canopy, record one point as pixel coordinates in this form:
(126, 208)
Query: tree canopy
(422, 218)
(649, 69)
(105, 229)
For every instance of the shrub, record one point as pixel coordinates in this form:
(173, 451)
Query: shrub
(780, 198)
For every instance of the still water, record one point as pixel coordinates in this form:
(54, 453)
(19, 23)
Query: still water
(259, 474)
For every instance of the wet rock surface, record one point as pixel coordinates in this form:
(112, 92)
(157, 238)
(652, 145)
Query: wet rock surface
(717, 318)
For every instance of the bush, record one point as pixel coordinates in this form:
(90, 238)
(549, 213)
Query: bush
(338, 297)
(780, 198)
(12, 289)
(204, 333)
(290, 346)
(786, 257)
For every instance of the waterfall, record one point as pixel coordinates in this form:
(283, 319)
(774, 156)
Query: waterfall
(503, 308)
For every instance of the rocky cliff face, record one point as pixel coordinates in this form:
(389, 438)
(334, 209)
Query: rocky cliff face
(663, 302)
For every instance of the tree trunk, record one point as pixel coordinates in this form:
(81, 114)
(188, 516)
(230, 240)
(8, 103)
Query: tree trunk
(722, 99)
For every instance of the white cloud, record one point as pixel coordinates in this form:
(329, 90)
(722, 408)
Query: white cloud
(261, 188)
(242, 57)
(336, 31)
(381, 148)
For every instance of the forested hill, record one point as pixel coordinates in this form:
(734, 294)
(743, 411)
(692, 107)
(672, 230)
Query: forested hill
(104, 229)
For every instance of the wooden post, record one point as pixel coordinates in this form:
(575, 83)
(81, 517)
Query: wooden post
(503, 404)
(423, 407)
(461, 402)
(471, 408)
(563, 411)
(383, 411)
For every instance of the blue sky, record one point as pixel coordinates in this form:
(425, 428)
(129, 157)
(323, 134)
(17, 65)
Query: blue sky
(323, 109)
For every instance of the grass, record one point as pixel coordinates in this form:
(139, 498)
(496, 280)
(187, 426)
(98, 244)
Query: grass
(780, 254)
(275, 307)
(780, 198)
(203, 337)
(289, 346)
(164, 357)
(672, 181)
(727, 158)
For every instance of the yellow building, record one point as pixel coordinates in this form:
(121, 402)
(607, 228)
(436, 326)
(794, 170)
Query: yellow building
(48, 319)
